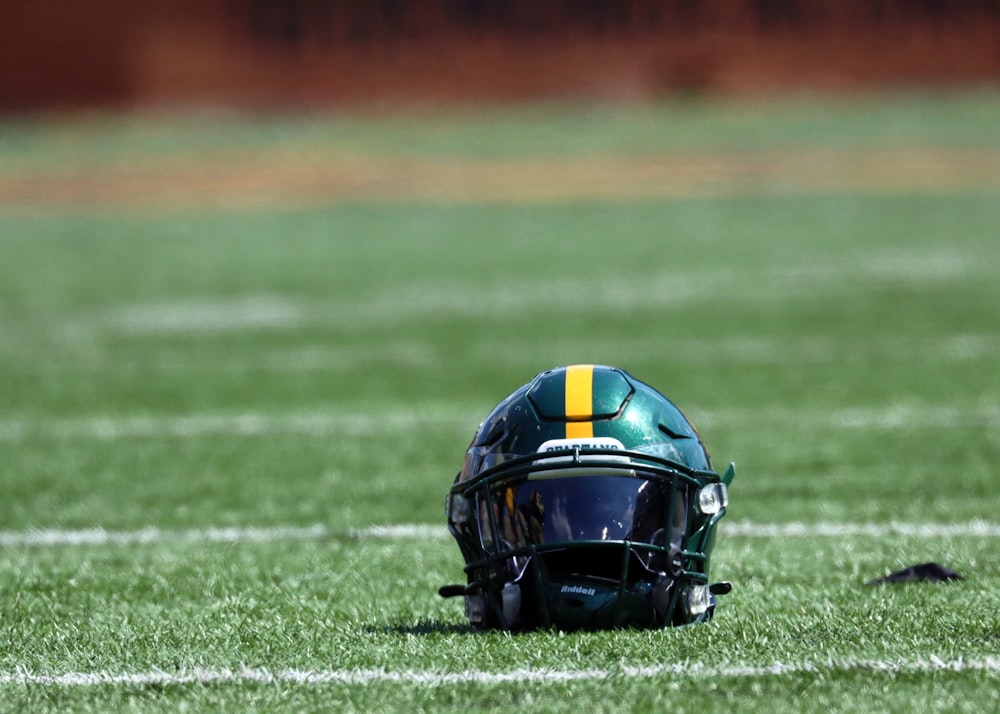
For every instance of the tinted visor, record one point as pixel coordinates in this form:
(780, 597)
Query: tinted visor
(595, 507)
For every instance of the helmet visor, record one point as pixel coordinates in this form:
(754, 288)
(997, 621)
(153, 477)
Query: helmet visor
(602, 506)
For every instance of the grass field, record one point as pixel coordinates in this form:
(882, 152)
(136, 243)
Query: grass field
(239, 368)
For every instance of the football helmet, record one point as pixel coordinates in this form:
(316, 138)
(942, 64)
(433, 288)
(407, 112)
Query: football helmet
(587, 500)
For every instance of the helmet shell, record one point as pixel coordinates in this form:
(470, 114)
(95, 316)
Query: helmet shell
(552, 406)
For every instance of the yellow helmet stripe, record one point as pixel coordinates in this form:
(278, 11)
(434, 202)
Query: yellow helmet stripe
(579, 401)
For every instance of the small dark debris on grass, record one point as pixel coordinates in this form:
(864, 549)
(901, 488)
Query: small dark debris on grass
(925, 572)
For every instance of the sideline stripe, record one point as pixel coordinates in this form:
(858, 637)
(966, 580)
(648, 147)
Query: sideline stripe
(427, 531)
(989, 665)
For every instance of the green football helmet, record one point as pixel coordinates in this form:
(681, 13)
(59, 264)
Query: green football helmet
(587, 500)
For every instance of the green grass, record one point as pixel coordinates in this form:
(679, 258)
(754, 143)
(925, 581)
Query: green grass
(956, 120)
(199, 369)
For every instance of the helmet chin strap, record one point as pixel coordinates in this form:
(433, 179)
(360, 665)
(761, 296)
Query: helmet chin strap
(454, 590)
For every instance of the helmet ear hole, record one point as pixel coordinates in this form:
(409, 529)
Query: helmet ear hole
(671, 562)
(659, 537)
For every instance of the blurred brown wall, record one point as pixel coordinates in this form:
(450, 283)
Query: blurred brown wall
(57, 53)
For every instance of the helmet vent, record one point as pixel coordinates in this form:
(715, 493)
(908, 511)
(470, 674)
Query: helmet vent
(671, 433)
(495, 436)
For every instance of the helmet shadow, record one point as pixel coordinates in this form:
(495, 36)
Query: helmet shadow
(423, 627)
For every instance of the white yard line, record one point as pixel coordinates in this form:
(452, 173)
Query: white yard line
(969, 529)
(43, 537)
(752, 349)
(931, 664)
(344, 422)
(254, 311)
(48, 537)
(147, 536)
(353, 422)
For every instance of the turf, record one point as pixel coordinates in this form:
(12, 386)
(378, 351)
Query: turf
(308, 373)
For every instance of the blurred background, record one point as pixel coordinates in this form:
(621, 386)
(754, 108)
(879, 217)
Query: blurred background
(294, 222)
(281, 53)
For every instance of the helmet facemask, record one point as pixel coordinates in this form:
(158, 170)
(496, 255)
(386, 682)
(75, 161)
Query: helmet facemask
(577, 538)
